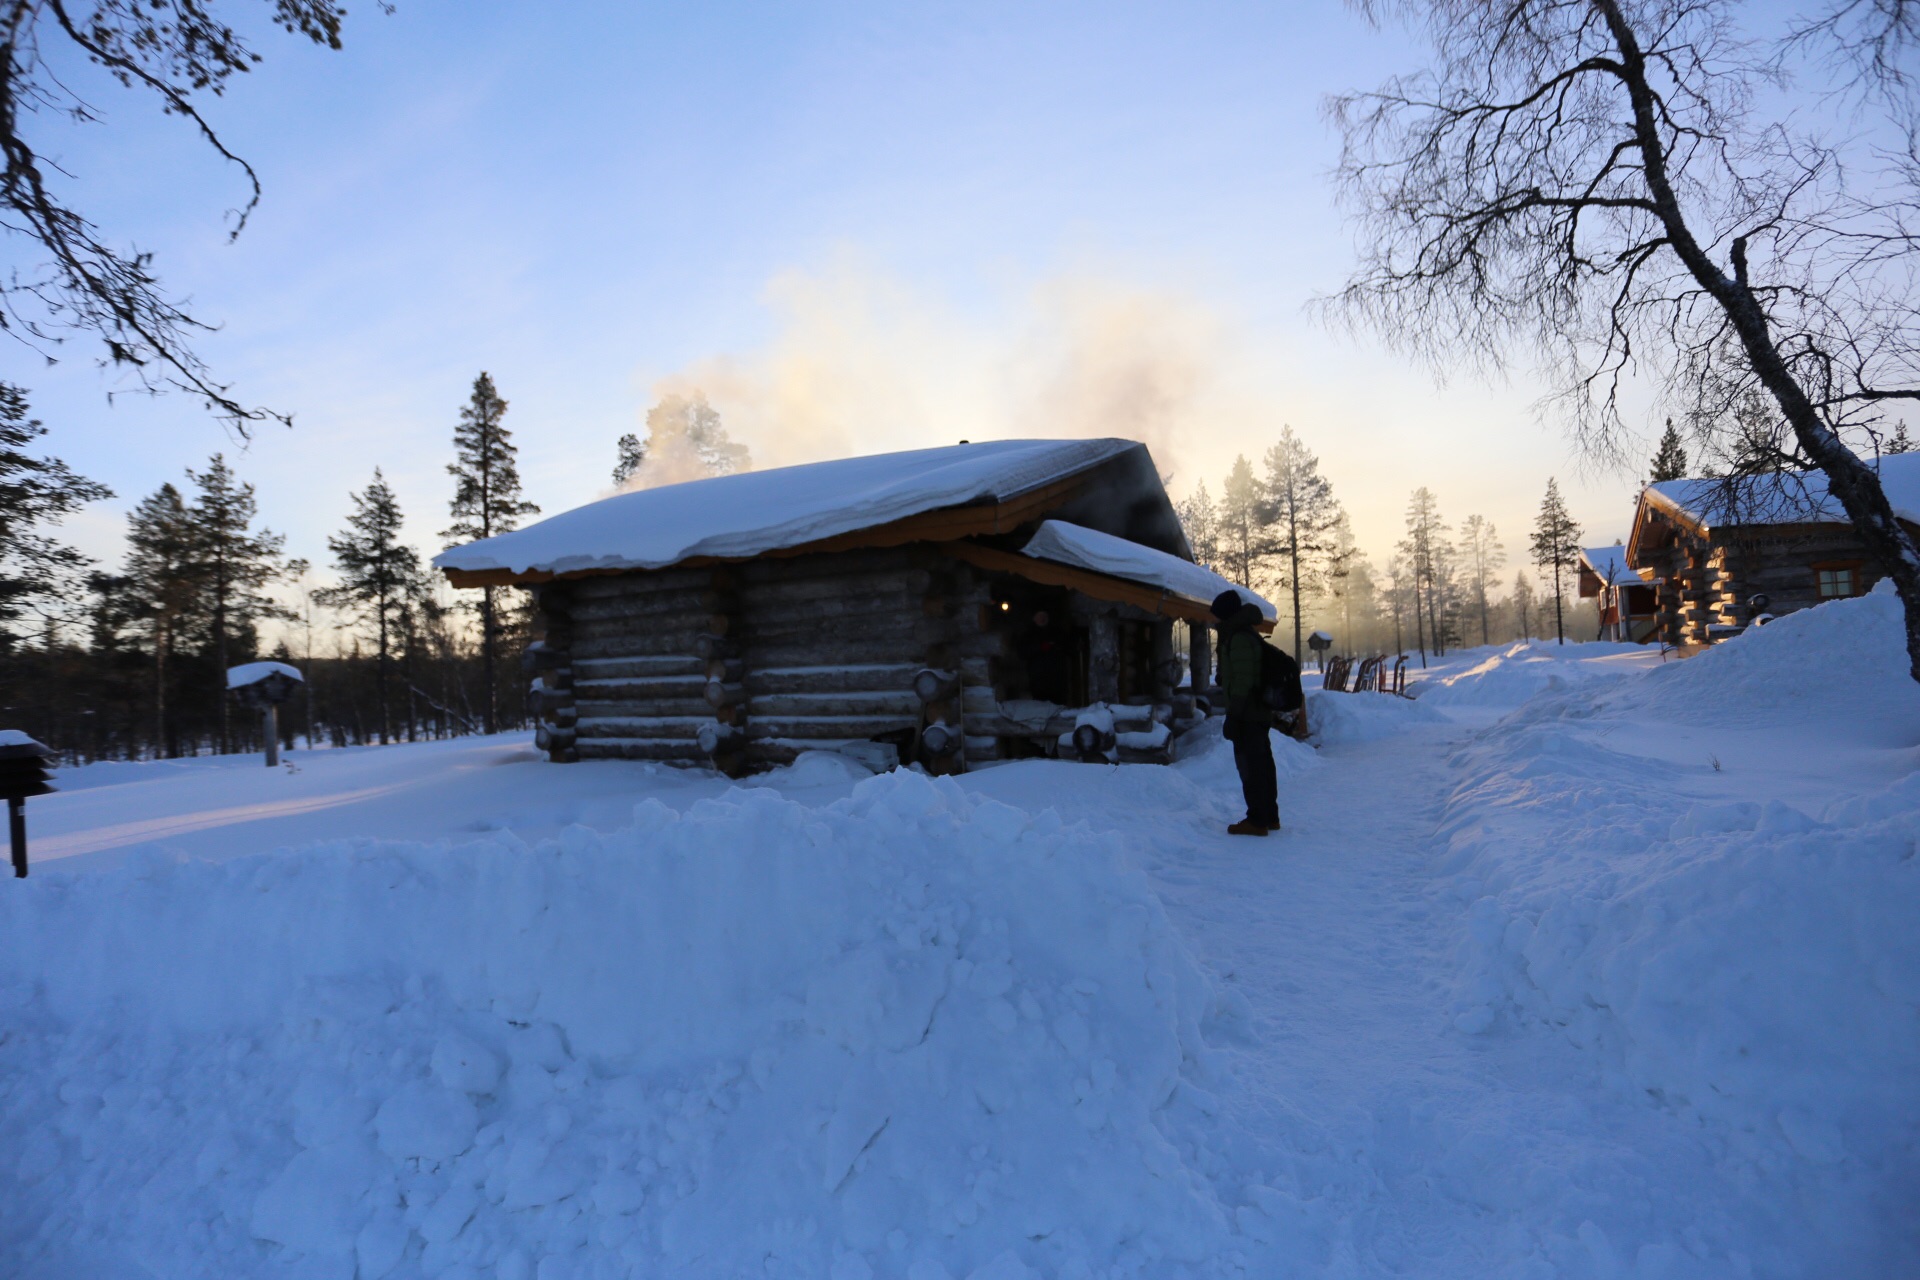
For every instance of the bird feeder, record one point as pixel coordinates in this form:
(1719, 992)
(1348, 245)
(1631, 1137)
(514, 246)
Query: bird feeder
(23, 773)
(263, 686)
(1320, 642)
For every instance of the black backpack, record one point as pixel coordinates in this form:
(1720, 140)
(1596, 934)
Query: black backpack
(1280, 679)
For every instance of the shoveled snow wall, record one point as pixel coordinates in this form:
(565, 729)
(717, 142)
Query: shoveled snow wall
(914, 1033)
(1750, 963)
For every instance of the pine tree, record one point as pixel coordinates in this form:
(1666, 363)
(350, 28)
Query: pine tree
(632, 451)
(1670, 463)
(1349, 577)
(34, 492)
(1485, 555)
(1555, 546)
(1201, 523)
(380, 578)
(1301, 512)
(1426, 556)
(235, 563)
(1899, 441)
(1523, 604)
(486, 501)
(166, 588)
(1242, 524)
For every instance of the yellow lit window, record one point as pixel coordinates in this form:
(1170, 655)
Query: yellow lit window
(1836, 583)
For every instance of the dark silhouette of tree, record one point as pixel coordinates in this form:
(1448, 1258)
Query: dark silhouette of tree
(1556, 547)
(1670, 462)
(1485, 555)
(1424, 548)
(35, 492)
(235, 563)
(1633, 186)
(380, 579)
(163, 577)
(1301, 514)
(178, 51)
(1242, 524)
(685, 441)
(486, 501)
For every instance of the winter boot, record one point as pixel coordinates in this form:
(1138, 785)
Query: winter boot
(1247, 827)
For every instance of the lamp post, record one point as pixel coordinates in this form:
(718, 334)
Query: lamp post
(23, 773)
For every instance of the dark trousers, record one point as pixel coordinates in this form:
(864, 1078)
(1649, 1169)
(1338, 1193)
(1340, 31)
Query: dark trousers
(1253, 757)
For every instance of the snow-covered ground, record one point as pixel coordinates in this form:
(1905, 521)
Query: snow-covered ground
(1581, 964)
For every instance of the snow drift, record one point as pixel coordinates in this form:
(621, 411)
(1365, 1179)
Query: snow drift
(1749, 963)
(911, 1033)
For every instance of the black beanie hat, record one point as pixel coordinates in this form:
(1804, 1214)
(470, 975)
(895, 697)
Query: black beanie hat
(1226, 604)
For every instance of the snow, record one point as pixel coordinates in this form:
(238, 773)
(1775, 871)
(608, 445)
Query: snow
(1609, 564)
(759, 511)
(1791, 497)
(254, 672)
(19, 738)
(1069, 544)
(1580, 964)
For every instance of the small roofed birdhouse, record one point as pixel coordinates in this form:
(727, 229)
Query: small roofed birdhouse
(23, 773)
(263, 684)
(1319, 641)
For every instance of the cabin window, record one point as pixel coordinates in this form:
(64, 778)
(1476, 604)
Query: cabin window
(1838, 581)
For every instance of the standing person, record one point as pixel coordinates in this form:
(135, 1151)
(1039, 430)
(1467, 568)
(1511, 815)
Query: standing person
(1249, 716)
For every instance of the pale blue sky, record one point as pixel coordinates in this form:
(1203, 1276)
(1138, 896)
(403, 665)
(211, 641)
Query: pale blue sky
(859, 226)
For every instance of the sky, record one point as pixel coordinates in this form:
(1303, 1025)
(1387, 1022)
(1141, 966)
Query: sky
(857, 227)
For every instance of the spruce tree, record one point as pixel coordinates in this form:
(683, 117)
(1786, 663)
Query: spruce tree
(1670, 462)
(380, 577)
(486, 501)
(1426, 557)
(685, 441)
(1523, 604)
(1200, 521)
(236, 562)
(1301, 512)
(34, 492)
(1555, 546)
(631, 452)
(166, 590)
(1242, 523)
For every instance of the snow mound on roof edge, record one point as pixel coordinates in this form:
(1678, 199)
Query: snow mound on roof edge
(914, 1026)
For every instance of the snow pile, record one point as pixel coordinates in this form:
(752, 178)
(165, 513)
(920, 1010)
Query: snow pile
(912, 1033)
(1345, 718)
(1510, 675)
(1746, 962)
(1843, 663)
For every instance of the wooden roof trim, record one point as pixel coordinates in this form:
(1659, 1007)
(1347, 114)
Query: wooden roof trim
(980, 519)
(1100, 586)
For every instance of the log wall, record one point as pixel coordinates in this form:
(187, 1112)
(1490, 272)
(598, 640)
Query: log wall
(1708, 579)
(745, 666)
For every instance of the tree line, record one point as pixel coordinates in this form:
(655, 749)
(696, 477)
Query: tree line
(132, 663)
(1281, 531)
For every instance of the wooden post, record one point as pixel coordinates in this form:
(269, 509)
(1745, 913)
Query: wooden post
(17, 830)
(270, 725)
(1199, 657)
(1103, 658)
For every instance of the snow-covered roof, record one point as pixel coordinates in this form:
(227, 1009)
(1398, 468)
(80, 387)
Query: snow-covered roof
(759, 511)
(16, 742)
(1084, 548)
(1609, 564)
(1798, 497)
(254, 672)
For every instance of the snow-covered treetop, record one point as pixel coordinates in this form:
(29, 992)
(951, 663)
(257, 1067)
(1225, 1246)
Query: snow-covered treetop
(1082, 548)
(1796, 497)
(254, 672)
(754, 512)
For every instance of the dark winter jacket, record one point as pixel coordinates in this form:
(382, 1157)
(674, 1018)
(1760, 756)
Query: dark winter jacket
(1240, 669)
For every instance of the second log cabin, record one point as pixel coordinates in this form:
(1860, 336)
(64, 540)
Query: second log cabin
(953, 607)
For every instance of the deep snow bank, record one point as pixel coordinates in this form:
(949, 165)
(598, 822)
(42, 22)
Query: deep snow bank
(913, 1033)
(1344, 718)
(1507, 677)
(1747, 962)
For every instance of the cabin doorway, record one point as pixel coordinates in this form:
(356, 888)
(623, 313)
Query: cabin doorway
(1045, 658)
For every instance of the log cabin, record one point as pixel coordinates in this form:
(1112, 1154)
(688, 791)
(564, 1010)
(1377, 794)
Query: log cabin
(1628, 599)
(954, 606)
(1710, 547)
